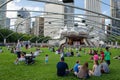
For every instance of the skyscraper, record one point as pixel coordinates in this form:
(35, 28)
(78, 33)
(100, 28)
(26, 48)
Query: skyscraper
(39, 26)
(69, 18)
(2, 14)
(23, 23)
(53, 22)
(53, 25)
(7, 23)
(115, 12)
(93, 5)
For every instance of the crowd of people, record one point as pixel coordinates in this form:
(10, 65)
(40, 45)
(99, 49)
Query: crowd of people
(23, 56)
(101, 61)
(100, 65)
(69, 52)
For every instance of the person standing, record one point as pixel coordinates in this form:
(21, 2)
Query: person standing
(18, 52)
(18, 47)
(62, 68)
(46, 59)
(107, 55)
(102, 55)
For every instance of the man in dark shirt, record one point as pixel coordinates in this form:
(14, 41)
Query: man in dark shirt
(62, 68)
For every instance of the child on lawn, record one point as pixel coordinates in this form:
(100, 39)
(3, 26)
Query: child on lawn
(46, 59)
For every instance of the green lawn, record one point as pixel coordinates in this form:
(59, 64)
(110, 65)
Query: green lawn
(42, 71)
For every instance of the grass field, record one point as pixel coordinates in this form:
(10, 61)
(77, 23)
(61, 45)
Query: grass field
(42, 71)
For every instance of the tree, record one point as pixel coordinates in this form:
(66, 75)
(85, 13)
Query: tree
(19, 36)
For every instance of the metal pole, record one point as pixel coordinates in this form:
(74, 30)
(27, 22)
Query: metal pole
(46, 1)
(65, 14)
(5, 3)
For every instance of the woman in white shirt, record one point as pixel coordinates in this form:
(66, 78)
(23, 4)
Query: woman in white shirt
(96, 71)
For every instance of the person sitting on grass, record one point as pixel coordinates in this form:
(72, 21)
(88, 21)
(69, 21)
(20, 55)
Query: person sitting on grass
(18, 56)
(95, 57)
(104, 67)
(53, 49)
(68, 54)
(36, 53)
(78, 54)
(90, 52)
(96, 71)
(58, 51)
(26, 46)
(75, 68)
(72, 53)
(21, 58)
(62, 68)
(12, 50)
(83, 71)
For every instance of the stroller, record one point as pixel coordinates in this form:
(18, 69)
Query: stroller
(29, 59)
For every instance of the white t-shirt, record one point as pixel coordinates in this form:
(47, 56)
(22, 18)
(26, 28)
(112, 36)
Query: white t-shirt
(97, 71)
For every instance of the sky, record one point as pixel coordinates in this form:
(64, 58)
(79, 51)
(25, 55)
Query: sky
(38, 6)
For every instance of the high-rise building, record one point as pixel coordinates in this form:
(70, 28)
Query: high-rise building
(23, 23)
(107, 29)
(53, 25)
(39, 26)
(93, 5)
(115, 12)
(32, 27)
(2, 14)
(7, 23)
(69, 19)
(53, 22)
